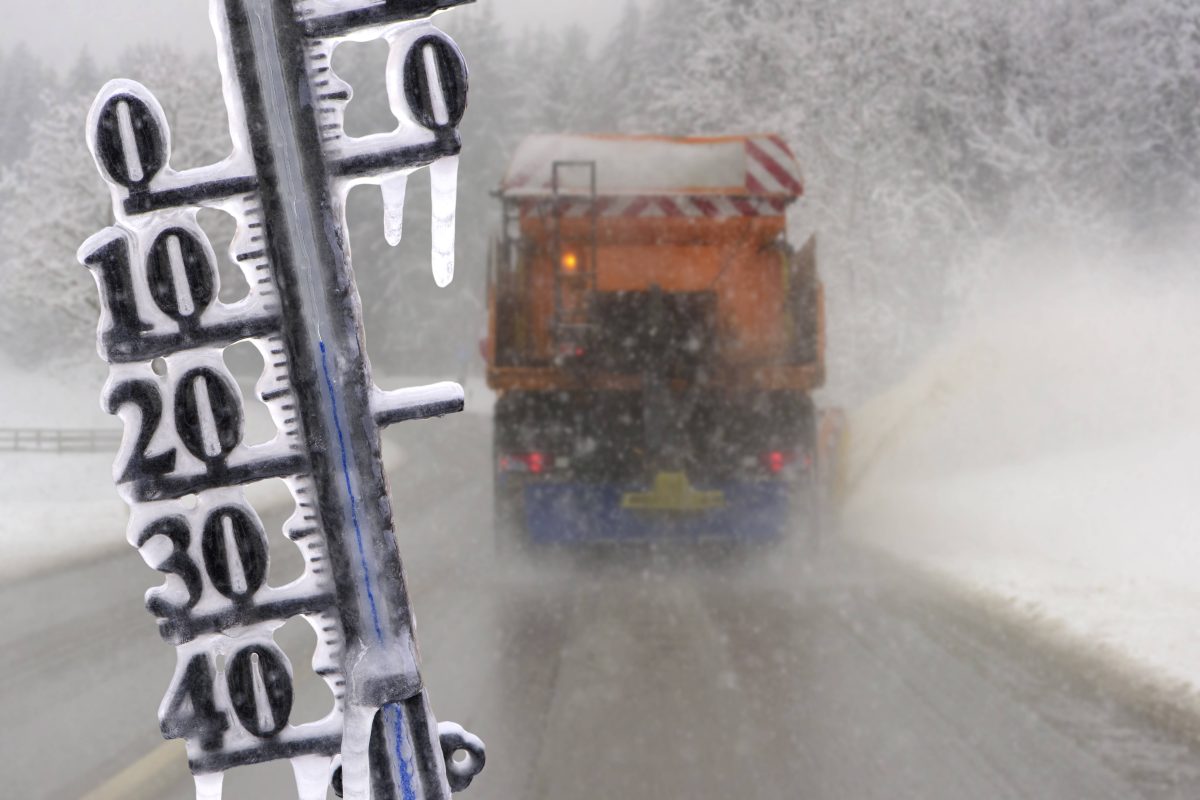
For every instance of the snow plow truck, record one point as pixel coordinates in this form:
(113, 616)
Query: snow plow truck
(654, 341)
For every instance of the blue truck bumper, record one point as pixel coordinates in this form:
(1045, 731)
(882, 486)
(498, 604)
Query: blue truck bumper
(565, 513)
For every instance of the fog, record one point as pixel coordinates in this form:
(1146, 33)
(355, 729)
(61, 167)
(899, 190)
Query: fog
(58, 30)
(981, 579)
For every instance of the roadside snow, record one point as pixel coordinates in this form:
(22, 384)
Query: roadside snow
(55, 508)
(1049, 458)
(60, 509)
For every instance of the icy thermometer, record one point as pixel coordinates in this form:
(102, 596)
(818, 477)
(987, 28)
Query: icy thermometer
(184, 466)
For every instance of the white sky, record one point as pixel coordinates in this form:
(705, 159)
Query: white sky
(59, 29)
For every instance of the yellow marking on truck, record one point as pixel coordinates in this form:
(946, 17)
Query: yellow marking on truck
(673, 492)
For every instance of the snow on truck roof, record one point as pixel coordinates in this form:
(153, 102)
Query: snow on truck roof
(721, 176)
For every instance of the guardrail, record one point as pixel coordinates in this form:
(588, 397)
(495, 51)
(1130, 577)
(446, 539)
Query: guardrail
(58, 440)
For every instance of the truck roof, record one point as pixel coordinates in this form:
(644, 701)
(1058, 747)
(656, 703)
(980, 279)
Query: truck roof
(717, 171)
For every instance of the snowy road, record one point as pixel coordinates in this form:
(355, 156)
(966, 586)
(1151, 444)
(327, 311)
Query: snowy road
(631, 675)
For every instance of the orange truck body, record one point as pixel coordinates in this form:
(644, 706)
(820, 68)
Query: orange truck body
(744, 259)
(653, 340)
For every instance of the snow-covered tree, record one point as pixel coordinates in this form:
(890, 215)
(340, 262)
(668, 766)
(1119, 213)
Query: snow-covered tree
(53, 199)
(23, 92)
(930, 128)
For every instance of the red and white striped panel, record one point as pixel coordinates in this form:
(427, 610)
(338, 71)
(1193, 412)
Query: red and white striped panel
(771, 168)
(713, 207)
(733, 166)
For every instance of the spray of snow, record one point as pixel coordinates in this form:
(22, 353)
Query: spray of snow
(1049, 455)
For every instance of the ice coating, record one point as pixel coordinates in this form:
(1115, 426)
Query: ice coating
(312, 777)
(356, 739)
(419, 53)
(394, 190)
(209, 787)
(455, 739)
(443, 183)
(184, 463)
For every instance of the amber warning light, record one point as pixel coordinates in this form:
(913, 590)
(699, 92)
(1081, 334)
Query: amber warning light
(570, 262)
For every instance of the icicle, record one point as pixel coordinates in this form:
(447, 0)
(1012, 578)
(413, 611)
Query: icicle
(208, 787)
(394, 190)
(312, 777)
(443, 184)
(356, 740)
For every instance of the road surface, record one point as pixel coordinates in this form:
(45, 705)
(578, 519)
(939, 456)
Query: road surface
(620, 675)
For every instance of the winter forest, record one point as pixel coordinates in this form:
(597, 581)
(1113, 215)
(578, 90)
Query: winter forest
(936, 136)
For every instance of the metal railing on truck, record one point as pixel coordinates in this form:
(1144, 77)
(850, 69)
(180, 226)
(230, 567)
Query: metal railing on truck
(58, 440)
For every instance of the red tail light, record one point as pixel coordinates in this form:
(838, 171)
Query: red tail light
(774, 461)
(534, 463)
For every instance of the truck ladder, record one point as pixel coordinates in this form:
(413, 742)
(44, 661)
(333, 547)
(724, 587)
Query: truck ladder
(573, 324)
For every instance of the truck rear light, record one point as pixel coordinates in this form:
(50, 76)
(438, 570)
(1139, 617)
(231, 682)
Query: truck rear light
(534, 463)
(776, 461)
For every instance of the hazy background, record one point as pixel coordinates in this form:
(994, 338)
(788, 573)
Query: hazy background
(1006, 195)
(59, 29)
(936, 136)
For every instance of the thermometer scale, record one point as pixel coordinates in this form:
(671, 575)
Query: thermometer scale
(183, 465)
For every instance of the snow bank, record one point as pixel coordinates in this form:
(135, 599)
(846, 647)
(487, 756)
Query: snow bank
(1049, 456)
(55, 508)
